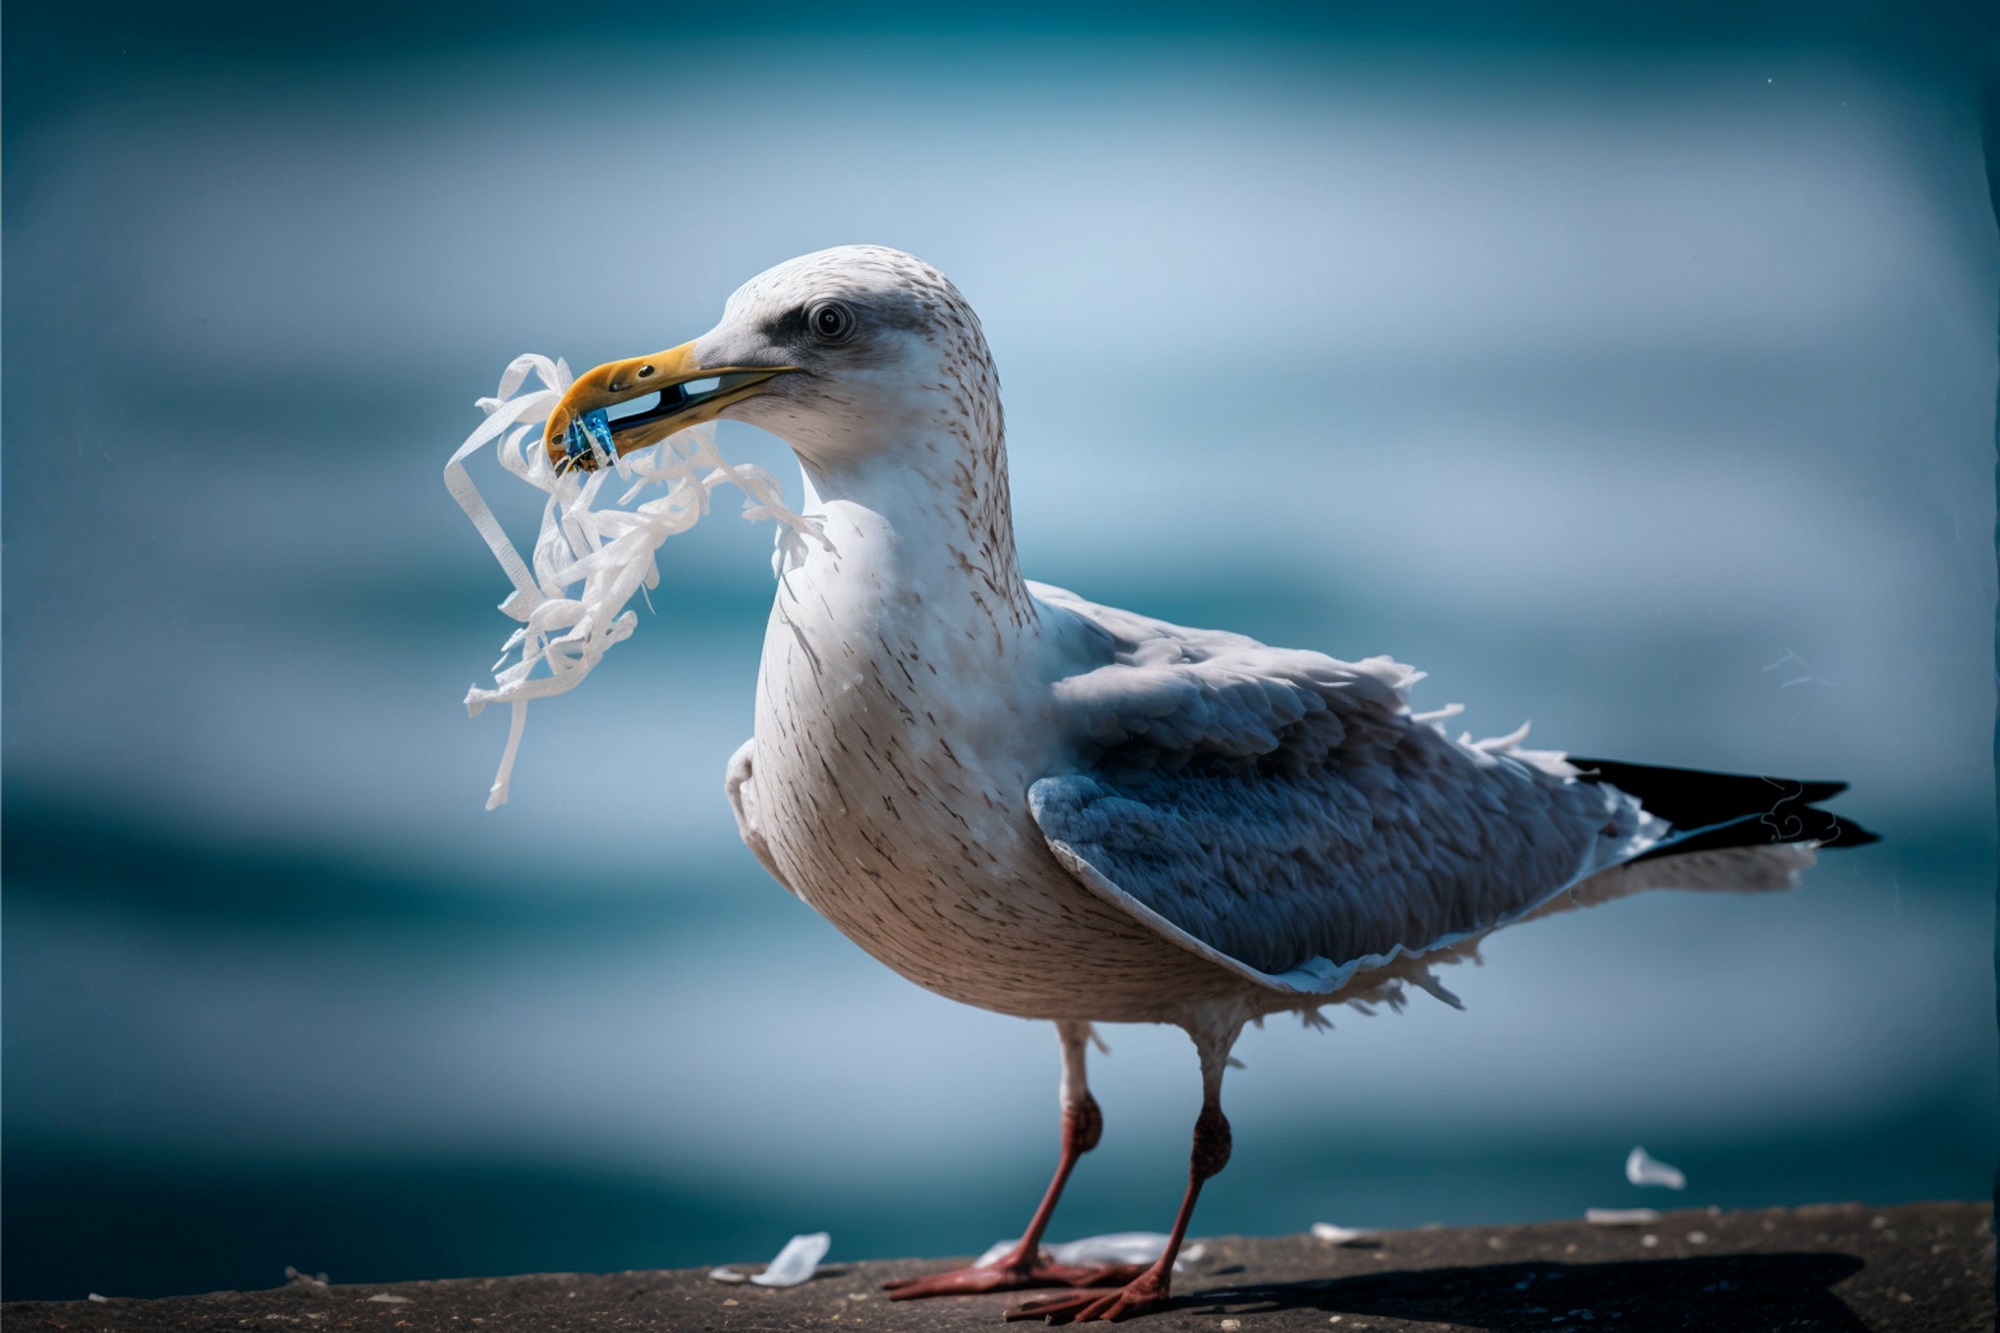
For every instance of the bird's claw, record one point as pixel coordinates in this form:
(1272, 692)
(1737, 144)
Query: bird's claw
(1006, 1276)
(1145, 1294)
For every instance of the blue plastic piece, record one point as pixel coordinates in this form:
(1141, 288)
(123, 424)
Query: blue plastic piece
(589, 437)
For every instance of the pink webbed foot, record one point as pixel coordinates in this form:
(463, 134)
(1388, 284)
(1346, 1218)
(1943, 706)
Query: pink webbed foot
(1145, 1294)
(1010, 1273)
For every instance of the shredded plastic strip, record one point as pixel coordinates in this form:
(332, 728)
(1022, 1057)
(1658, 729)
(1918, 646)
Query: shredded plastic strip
(592, 555)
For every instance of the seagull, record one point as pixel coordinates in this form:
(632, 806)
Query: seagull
(1038, 805)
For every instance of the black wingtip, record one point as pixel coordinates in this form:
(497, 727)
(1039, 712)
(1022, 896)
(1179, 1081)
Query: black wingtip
(1719, 810)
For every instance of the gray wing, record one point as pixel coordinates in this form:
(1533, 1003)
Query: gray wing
(1286, 814)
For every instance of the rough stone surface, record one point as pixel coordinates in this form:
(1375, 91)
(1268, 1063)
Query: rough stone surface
(1926, 1268)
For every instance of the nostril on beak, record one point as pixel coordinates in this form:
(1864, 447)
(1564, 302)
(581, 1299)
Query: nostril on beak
(644, 371)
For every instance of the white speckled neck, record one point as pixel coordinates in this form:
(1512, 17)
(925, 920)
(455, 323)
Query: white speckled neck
(925, 518)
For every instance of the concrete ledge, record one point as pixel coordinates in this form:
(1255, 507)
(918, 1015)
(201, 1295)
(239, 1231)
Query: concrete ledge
(1924, 1268)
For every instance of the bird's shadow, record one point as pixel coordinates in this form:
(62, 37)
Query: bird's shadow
(1747, 1291)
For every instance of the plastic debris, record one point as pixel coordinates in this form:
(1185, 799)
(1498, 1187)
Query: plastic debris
(1334, 1235)
(730, 1275)
(1116, 1247)
(797, 1262)
(1620, 1217)
(101, 1300)
(1641, 1168)
(587, 562)
(389, 1298)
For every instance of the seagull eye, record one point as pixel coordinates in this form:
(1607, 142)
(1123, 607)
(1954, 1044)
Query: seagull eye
(830, 322)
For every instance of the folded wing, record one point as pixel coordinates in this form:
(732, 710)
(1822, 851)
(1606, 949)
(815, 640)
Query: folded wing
(1285, 814)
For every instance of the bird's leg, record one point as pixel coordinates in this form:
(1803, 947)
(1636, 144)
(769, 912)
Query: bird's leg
(1150, 1289)
(1025, 1265)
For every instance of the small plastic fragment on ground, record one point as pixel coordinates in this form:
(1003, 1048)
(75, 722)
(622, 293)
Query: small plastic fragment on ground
(1334, 1235)
(101, 1300)
(797, 1262)
(731, 1275)
(1642, 1168)
(1116, 1247)
(389, 1298)
(1620, 1217)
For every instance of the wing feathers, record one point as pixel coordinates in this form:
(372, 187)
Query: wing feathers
(1282, 810)
(1285, 815)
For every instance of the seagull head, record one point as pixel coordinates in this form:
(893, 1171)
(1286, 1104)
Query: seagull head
(841, 353)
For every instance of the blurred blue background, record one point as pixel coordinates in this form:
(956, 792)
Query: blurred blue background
(1634, 379)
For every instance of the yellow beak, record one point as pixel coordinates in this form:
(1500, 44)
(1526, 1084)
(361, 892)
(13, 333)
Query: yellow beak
(690, 393)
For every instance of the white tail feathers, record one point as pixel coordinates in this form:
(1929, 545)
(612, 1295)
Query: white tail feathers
(1727, 870)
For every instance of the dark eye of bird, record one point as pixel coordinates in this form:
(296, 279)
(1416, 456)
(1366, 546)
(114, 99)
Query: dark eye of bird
(830, 321)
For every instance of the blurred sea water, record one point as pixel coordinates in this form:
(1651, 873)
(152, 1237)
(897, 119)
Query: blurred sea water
(1651, 400)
